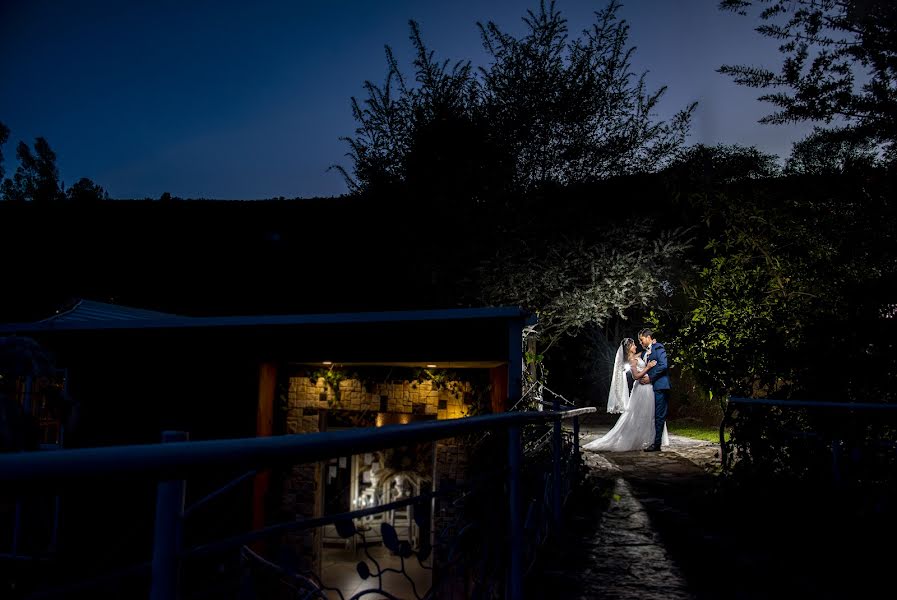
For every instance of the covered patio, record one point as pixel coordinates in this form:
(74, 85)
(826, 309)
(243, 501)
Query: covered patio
(135, 373)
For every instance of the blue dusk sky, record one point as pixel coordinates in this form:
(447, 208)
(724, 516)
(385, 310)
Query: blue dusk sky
(245, 100)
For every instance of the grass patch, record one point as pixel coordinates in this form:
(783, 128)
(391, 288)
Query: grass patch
(693, 429)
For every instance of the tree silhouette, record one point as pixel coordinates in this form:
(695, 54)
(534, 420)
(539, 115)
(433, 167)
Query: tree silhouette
(827, 45)
(547, 110)
(36, 177)
(707, 166)
(491, 152)
(824, 154)
(4, 135)
(572, 110)
(86, 190)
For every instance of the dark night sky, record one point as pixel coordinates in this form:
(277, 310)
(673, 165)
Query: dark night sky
(248, 99)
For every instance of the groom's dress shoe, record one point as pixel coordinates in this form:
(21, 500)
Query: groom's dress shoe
(652, 448)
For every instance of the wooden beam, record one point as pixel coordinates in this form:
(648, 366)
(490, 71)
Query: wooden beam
(498, 377)
(515, 361)
(264, 427)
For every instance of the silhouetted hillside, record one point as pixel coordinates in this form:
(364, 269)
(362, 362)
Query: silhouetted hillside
(208, 257)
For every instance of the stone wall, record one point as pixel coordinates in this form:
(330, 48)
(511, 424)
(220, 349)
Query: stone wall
(451, 474)
(301, 498)
(307, 401)
(422, 398)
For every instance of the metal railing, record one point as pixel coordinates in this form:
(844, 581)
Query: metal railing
(843, 424)
(171, 463)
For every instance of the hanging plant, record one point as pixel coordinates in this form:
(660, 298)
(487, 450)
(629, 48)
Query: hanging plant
(332, 378)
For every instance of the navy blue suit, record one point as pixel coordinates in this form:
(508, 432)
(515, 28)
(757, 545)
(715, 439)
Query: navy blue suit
(660, 379)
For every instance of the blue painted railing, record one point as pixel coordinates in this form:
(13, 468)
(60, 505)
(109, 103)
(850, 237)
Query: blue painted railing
(830, 440)
(174, 461)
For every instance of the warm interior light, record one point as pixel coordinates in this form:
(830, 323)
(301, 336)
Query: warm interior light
(431, 366)
(327, 362)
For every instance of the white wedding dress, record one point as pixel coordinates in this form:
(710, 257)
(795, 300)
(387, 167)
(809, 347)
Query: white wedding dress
(634, 429)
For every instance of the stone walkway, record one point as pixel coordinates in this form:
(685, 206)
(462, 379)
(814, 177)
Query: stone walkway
(617, 551)
(646, 526)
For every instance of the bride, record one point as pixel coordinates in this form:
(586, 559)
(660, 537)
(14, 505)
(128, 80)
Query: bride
(635, 428)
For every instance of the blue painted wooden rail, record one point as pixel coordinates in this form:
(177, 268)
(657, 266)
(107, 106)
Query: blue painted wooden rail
(172, 462)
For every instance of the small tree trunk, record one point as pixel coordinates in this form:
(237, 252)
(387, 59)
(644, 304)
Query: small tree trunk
(531, 366)
(531, 352)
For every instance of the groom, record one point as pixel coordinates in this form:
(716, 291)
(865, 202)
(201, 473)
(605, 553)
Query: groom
(659, 378)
